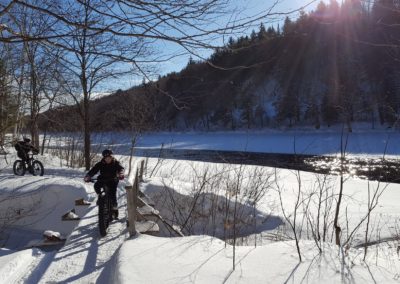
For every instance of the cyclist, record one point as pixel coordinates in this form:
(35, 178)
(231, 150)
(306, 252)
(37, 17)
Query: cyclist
(111, 172)
(23, 147)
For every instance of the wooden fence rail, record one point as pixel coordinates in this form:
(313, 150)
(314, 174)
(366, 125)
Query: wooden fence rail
(133, 202)
(132, 189)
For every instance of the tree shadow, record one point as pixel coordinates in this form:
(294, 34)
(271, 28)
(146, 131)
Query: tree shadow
(210, 214)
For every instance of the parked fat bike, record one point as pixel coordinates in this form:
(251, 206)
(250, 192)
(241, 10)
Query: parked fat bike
(106, 212)
(31, 165)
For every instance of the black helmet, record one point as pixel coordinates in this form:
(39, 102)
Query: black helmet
(27, 140)
(107, 153)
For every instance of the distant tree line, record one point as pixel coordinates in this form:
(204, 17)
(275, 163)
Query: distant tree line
(336, 64)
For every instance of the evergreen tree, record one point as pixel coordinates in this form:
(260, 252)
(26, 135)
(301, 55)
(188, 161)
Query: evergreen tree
(271, 32)
(191, 61)
(333, 10)
(262, 33)
(328, 110)
(321, 8)
(288, 26)
(383, 61)
(253, 36)
(231, 42)
(259, 114)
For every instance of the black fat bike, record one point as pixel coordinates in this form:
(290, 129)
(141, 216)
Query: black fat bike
(106, 213)
(31, 165)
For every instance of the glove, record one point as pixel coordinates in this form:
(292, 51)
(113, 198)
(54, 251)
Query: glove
(87, 178)
(121, 177)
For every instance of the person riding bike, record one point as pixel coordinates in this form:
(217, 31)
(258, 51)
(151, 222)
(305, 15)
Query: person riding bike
(23, 147)
(111, 172)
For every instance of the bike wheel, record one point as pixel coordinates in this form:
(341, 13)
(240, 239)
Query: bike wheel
(37, 168)
(104, 218)
(19, 168)
(111, 213)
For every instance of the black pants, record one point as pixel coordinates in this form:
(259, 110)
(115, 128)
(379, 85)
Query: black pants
(23, 156)
(112, 189)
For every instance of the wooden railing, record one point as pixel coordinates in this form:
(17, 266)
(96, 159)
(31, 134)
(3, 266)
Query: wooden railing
(134, 202)
(132, 189)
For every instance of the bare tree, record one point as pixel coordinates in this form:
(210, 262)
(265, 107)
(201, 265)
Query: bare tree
(136, 114)
(7, 104)
(107, 39)
(35, 66)
(292, 218)
(343, 148)
(90, 58)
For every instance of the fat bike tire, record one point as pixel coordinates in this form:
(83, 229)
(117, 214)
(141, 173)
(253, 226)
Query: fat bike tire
(37, 168)
(110, 210)
(19, 168)
(103, 216)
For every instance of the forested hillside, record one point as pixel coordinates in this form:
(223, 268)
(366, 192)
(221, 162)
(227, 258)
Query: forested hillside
(337, 64)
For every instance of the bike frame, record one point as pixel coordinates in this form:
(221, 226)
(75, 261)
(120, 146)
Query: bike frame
(105, 212)
(30, 160)
(28, 165)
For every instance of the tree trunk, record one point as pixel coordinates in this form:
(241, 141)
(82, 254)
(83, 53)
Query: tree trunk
(336, 220)
(34, 128)
(86, 129)
(43, 142)
(18, 114)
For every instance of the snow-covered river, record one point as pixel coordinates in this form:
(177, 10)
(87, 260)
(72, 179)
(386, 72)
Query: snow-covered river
(387, 170)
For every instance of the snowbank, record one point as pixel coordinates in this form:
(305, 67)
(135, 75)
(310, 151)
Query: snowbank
(13, 265)
(30, 205)
(202, 259)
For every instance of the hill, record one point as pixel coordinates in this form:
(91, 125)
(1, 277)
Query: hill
(334, 65)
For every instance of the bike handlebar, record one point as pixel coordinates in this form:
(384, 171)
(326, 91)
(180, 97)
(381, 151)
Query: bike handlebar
(103, 179)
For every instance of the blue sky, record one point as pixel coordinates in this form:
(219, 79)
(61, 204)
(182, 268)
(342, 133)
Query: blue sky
(251, 7)
(246, 8)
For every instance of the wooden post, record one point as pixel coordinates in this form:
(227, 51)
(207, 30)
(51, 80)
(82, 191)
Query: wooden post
(136, 190)
(141, 171)
(132, 199)
(131, 204)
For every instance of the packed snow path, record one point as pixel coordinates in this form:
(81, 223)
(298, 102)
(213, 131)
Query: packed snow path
(86, 257)
(41, 201)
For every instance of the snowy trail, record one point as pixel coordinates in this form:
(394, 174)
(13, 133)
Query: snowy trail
(86, 257)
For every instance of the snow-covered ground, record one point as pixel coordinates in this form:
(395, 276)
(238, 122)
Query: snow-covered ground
(208, 260)
(203, 259)
(40, 203)
(87, 258)
(362, 141)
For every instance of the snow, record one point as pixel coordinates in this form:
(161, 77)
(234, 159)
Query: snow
(87, 258)
(50, 234)
(70, 216)
(13, 264)
(362, 141)
(38, 203)
(42, 201)
(203, 259)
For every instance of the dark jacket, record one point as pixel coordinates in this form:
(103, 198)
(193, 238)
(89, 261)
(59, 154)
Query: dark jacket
(23, 149)
(25, 146)
(107, 171)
